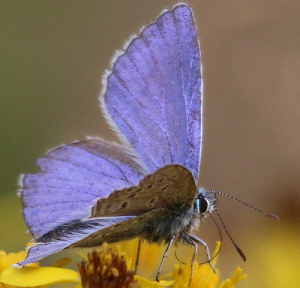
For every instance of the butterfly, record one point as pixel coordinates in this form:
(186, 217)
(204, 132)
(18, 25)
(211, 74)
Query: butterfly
(95, 191)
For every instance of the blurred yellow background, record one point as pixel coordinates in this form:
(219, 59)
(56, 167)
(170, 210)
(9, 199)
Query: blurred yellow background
(53, 54)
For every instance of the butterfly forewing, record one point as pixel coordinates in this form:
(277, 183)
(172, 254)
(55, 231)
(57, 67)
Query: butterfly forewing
(153, 95)
(169, 186)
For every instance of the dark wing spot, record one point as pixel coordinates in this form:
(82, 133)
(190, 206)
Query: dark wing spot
(165, 187)
(124, 205)
(151, 200)
(170, 193)
(132, 195)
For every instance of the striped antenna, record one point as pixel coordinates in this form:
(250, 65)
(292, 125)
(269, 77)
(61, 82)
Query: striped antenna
(273, 216)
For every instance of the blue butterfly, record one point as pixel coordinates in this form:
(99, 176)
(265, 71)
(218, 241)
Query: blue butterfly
(95, 191)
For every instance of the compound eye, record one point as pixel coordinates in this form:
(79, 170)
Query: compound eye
(204, 204)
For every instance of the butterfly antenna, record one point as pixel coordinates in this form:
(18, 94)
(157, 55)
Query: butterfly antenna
(220, 234)
(236, 247)
(273, 216)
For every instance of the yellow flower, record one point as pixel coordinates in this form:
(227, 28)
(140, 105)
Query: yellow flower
(150, 255)
(111, 268)
(32, 275)
(203, 275)
(106, 269)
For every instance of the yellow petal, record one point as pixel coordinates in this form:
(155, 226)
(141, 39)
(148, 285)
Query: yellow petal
(236, 278)
(36, 276)
(62, 262)
(216, 254)
(149, 284)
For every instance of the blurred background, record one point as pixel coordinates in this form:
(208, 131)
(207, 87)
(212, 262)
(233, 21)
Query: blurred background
(53, 54)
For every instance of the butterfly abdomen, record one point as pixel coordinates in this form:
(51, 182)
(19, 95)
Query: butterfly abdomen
(156, 226)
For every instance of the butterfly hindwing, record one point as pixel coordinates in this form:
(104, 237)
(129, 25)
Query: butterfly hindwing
(169, 186)
(71, 178)
(64, 236)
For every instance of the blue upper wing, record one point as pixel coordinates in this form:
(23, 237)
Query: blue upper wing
(153, 94)
(71, 178)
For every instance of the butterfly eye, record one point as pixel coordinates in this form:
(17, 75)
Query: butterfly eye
(203, 204)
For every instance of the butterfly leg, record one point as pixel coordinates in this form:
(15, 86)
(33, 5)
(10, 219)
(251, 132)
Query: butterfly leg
(192, 239)
(164, 257)
(138, 256)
